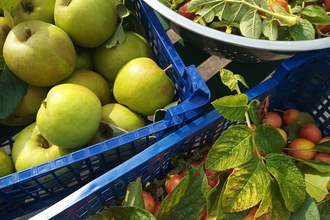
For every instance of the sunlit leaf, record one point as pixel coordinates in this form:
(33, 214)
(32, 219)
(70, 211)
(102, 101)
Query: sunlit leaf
(269, 139)
(214, 196)
(178, 204)
(228, 79)
(233, 148)
(316, 182)
(246, 186)
(269, 28)
(289, 178)
(237, 12)
(251, 25)
(133, 195)
(252, 110)
(307, 211)
(130, 213)
(302, 31)
(232, 107)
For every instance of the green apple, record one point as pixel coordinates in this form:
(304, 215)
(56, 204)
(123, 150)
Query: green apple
(32, 10)
(108, 62)
(26, 111)
(69, 116)
(6, 164)
(83, 58)
(92, 81)
(86, 31)
(4, 30)
(39, 53)
(143, 86)
(122, 117)
(31, 149)
(104, 132)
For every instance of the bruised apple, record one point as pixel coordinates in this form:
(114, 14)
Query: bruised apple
(39, 53)
(31, 148)
(69, 116)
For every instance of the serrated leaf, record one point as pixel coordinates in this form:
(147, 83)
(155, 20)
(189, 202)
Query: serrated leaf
(178, 204)
(130, 213)
(252, 110)
(251, 25)
(293, 129)
(302, 31)
(269, 139)
(237, 12)
(289, 178)
(133, 195)
(316, 164)
(118, 37)
(228, 79)
(316, 182)
(214, 196)
(232, 107)
(220, 10)
(324, 209)
(314, 11)
(269, 28)
(307, 211)
(318, 20)
(12, 92)
(246, 186)
(233, 148)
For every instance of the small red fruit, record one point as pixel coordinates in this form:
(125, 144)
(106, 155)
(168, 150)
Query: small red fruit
(149, 201)
(184, 13)
(325, 157)
(215, 180)
(172, 181)
(302, 148)
(155, 213)
(311, 132)
(272, 118)
(290, 115)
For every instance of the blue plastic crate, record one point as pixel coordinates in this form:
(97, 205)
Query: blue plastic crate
(17, 199)
(300, 82)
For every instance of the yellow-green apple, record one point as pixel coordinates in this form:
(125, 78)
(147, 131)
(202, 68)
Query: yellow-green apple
(108, 61)
(84, 30)
(4, 30)
(6, 164)
(83, 58)
(143, 86)
(31, 10)
(122, 117)
(39, 53)
(92, 81)
(302, 148)
(311, 132)
(69, 116)
(290, 115)
(26, 111)
(31, 149)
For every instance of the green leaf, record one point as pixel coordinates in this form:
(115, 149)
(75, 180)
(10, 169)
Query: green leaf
(214, 196)
(323, 147)
(318, 20)
(233, 148)
(252, 110)
(316, 164)
(278, 210)
(178, 204)
(269, 28)
(324, 209)
(12, 92)
(232, 216)
(250, 25)
(269, 139)
(314, 11)
(118, 37)
(316, 182)
(228, 79)
(232, 107)
(289, 179)
(302, 31)
(238, 10)
(293, 129)
(246, 186)
(133, 195)
(130, 213)
(105, 214)
(220, 10)
(307, 211)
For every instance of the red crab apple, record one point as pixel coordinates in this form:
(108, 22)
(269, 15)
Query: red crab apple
(184, 13)
(155, 213)
(290, 115)
(250, 215)
(172, 181)
(323, 156)
(302, 148)
(311, 132)
(149, 201)
(273, 119)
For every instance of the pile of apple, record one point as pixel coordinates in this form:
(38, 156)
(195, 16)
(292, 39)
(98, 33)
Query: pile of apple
(83, 73)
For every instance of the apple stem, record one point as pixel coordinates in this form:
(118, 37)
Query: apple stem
(168, 67)
(28, 32)
(43, 142)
